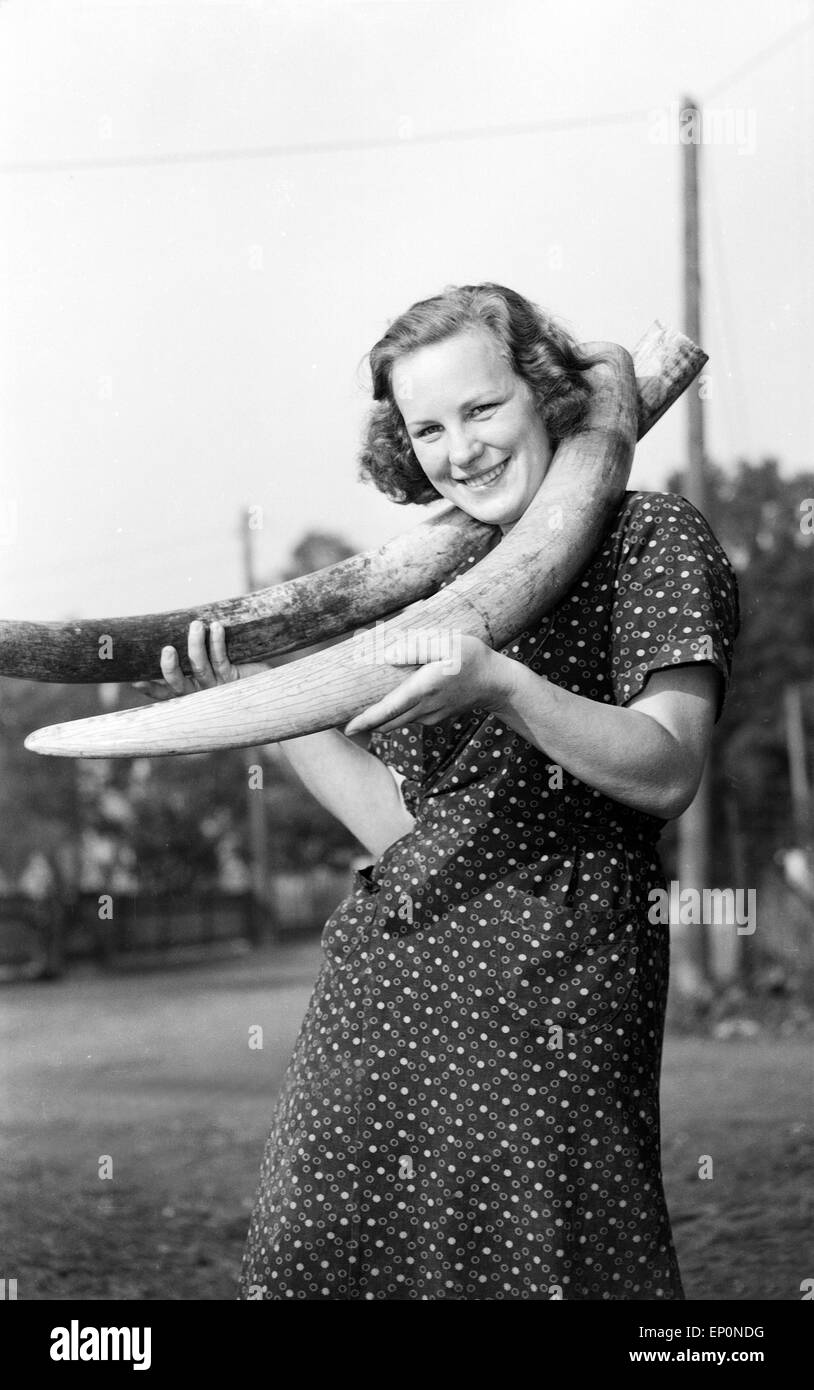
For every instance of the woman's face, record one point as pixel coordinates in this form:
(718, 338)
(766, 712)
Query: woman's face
(474, 426)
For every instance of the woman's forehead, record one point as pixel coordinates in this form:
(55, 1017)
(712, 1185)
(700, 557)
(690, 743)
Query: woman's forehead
(470, 362)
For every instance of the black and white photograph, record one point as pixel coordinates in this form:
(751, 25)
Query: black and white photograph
(407, 665)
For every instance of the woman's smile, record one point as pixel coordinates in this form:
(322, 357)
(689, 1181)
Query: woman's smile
(478, 481)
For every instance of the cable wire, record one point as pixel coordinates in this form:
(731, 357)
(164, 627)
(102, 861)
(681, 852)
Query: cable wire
(309, 147)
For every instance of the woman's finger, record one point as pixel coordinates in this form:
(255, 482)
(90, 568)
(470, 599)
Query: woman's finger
(409, 696)
(420, 646)
(172, 673)
(391, 707)
(221, 665)
(198, 655)
(417, 714)
(370, 718)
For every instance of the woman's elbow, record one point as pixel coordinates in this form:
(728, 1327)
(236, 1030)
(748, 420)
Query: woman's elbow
(676, 798)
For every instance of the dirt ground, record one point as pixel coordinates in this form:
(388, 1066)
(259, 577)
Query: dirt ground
(154, 1071)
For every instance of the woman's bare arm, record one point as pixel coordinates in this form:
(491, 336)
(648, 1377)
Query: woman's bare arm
(351, 783)
(649, 754)
(354, 785)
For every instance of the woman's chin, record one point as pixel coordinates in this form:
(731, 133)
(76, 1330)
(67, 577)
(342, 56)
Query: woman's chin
(495, 511)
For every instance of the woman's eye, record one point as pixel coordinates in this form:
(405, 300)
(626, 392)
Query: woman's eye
(435, 429)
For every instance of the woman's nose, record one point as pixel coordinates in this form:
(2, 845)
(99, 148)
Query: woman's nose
(463, 449)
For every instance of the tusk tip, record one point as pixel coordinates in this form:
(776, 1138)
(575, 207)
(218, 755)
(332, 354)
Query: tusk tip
(45, 741)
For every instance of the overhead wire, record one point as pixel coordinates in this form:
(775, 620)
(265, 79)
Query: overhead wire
(551, 124)
(321, 147)
(789, 36)
(516, 129)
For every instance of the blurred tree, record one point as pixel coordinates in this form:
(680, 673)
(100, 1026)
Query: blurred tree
(40, 798)
(316, 551)
(166, 819)
(759, 518)
(161, 825)
(304, 833)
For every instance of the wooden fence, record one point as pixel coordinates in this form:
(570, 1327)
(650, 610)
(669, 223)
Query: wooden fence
(40, 937)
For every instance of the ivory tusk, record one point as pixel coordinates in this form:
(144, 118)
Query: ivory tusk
(512, 586)
(301, 612)
(265, 623)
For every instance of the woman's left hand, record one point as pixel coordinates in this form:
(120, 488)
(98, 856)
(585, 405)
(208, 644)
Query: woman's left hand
(454, 672)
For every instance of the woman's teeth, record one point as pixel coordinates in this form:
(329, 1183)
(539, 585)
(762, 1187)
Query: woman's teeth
(486, 479)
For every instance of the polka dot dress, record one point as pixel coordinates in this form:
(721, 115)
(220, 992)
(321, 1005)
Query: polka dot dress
(472, 1107)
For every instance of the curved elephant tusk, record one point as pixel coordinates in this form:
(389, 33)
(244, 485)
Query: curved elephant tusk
(313, 608)
(507, 590)
(268, 622)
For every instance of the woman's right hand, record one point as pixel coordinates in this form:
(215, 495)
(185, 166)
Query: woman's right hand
(209, 666)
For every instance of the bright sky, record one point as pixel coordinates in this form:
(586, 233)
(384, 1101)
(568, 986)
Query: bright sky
(180, 339)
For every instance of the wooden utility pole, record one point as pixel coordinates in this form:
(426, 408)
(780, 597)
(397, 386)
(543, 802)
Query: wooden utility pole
(691, 953)
(255, 795)
(696, 489)
(798, 769)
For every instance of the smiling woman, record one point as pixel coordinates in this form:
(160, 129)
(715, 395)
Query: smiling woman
(472, 1107)
(460, 383)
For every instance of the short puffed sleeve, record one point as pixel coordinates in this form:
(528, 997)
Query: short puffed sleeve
(399, 750)
(676, 596)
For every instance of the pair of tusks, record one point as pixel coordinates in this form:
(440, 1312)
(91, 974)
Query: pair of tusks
(511, 587)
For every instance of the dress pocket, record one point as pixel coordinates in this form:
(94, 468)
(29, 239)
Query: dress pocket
(344, 931)
(565, 967)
